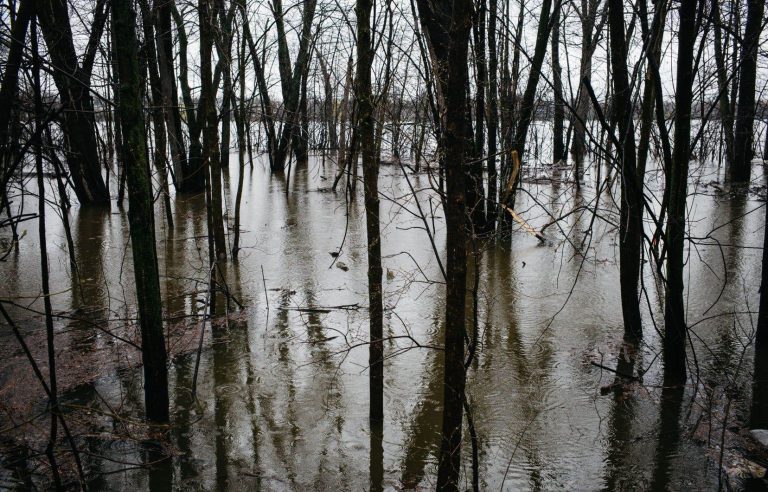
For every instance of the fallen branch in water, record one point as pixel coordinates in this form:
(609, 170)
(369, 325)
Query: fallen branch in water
(625, 376)
(322, 309)
(528, 228)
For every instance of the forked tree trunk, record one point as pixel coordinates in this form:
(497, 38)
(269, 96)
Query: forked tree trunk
(79, 122)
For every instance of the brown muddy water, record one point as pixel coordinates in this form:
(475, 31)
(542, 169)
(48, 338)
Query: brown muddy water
(282, 391)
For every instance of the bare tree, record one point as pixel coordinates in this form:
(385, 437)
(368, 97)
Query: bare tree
(447, 26)
(140, 214)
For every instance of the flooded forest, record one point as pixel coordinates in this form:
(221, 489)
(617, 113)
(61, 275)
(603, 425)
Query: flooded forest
(383, 245)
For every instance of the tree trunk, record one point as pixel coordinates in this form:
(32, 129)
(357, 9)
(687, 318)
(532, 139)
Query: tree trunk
(581, 117)
(9, 87)
(267, 117)
(194, 178)
(558, 117)
(722, 85)
(631, 217)
(140, 214)
(170, 97)
(745, 114)
(291, 81)
(475, 188)
(493, 117)
(525, 116)
(328, 104)
(242, 113)
(224, 50)
(675, 335)
(364, 96)
(210, 124)
(79, 123)
(447, 26)
(53, 392)
(654, 37)
(158, 122)
(759, 412)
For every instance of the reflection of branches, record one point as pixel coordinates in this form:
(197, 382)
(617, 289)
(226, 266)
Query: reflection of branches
(57, 415)
(514, 450)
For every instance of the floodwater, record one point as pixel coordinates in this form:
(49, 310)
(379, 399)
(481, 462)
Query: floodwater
(281, 395)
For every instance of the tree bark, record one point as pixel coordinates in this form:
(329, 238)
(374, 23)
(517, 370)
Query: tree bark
(447, 26)
(475, 188)
(581, 117)
(158, 121)
(631, 217)
(291, 80)
(745, 113)
(53, 396)
(194, 178)
(211, 162)
(525, 116)
(140, 214)
(493, 116)
(558, 116)
(9, 87)
(675, 335)
(170, 97)
(364, 96)
(722, 85)
(759, 411)
(79, 123)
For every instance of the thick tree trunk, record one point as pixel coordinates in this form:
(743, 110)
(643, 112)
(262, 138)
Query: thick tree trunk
(9, 87)
(675, 335)
(140, 214)
(722, 85)
(79, 123)
(759, 412)
(745, 113)
(558, 117)
(631, 217)
(291, 81)
(448, 25)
